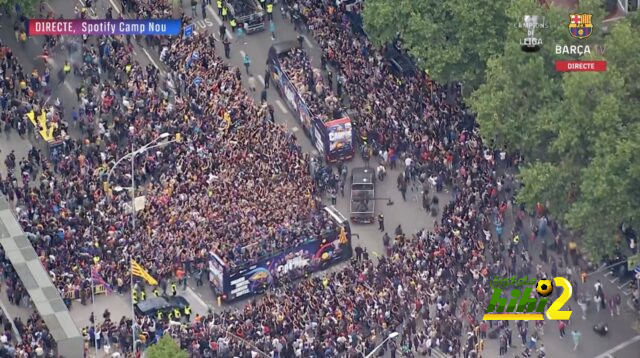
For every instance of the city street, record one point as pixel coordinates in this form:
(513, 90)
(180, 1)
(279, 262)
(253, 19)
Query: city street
(622, 341)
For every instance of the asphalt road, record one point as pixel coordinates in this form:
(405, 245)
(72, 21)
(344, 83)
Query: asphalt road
(409, 213)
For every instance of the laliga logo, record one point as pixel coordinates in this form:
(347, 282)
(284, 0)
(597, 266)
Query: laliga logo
(523, 307)
(531, 23)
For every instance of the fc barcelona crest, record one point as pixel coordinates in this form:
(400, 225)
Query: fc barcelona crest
(580, 25)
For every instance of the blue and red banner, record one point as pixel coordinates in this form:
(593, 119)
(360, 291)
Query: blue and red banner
(99, 280)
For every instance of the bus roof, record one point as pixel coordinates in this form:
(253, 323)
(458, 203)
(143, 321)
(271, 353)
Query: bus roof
(362, 175)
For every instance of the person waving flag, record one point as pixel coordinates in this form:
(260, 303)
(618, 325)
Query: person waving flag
(137, 270)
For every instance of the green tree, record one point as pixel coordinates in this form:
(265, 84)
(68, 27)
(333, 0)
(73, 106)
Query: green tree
(166, 348)
(518, 104)
(29, 7)
(452, 40)
(576, 130)
(611, 195)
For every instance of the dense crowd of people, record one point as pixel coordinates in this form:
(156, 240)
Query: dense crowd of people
(227, 181)
(309, 82)
(246, 169)
(229, 161)
(232, 163)
(238, 185)
(417, 287)
(146, 9)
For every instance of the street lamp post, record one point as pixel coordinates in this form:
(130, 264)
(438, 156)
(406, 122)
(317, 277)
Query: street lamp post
(391, 335)
(134, 152)
(132, 156)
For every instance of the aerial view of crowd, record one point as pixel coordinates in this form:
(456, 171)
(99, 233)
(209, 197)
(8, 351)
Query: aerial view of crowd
(232, 163)
(418, 287)
(158, 9)
(349, 311)
(234, 183)
(309, 82)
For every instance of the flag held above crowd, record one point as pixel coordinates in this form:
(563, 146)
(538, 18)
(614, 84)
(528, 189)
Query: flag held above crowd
(99, 280)
(137, 270)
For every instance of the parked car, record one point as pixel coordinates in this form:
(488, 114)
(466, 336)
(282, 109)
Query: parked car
(178, 301)
(151, 306)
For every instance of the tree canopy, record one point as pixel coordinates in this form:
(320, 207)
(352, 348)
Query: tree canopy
(453, 39)
(166, 348)
(26, 6)
(576, 130)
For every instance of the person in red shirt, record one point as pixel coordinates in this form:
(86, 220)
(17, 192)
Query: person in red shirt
(561, 327)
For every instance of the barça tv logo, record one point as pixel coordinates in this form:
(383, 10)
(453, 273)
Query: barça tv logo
(580, 25)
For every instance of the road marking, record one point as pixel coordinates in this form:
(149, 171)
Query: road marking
(283, 108)
(438, 353)
(197, 297)
(609, 273)
(295, 129)
(242, 53)
(614, 280)
(214, 14)
(219, 21)
(619, 347)
(68, 86)
(306, 40)
(153, 62)
(261, 79)
(624, 284)
(115, 7)
(314, 152)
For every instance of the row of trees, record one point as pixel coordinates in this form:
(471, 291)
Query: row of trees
(579, 132)
(26, 6)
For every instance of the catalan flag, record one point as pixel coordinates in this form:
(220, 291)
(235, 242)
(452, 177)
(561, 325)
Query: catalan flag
(137, 270)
